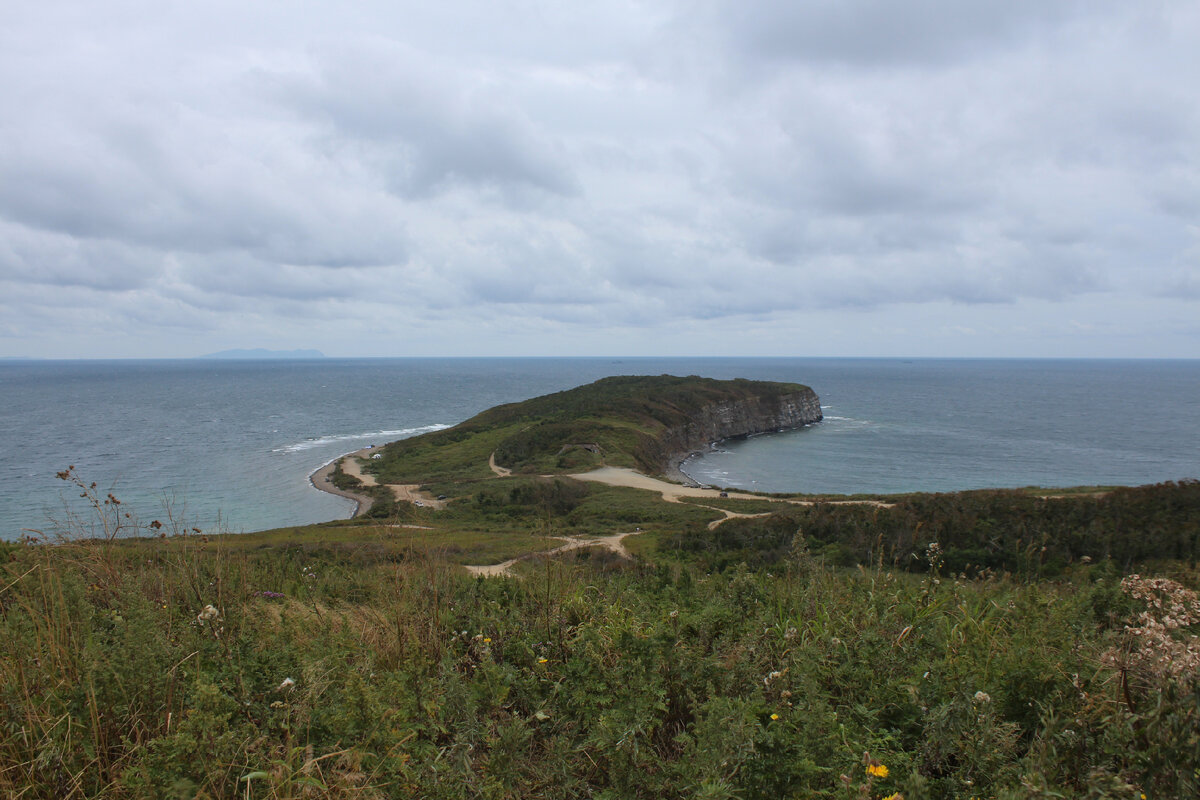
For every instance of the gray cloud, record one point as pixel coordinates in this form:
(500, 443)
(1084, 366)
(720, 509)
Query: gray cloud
(882, 33)
(424, 125)
(392, 174)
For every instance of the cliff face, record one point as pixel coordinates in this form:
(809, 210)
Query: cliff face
(736, 418)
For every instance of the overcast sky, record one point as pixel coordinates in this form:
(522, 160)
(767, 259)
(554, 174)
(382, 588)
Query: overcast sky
(775, 177)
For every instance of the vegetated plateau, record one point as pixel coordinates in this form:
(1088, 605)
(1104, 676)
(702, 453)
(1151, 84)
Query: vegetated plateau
(978, 644)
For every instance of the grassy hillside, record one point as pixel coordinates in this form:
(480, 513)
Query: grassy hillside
(316, 666)
(620, 416)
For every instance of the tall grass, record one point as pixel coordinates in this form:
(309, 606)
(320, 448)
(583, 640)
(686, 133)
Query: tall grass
(180, 667)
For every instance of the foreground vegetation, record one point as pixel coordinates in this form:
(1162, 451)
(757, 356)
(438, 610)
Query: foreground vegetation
(331, 661)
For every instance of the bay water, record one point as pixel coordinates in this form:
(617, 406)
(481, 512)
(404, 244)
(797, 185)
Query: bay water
(230, 444)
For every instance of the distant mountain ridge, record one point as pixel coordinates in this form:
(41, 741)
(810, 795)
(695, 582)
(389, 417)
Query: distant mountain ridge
(263, 353)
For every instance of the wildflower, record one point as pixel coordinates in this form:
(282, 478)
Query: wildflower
(894, 796)
(673, 614)
(487, 640)
(983, 697)
(877, 770)
(288, 683)
(543, 660)
(209, 612)
(774, 716)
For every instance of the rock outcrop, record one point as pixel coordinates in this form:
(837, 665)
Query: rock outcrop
(729, 420)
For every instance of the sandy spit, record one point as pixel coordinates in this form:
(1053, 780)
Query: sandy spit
(322, 479)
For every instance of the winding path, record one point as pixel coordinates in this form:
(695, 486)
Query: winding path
(716, 523)
(504, 568)
(501, 472)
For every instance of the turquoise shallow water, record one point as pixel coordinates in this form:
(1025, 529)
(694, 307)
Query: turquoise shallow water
(232, 443)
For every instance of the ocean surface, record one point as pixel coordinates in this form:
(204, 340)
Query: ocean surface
(230, 444)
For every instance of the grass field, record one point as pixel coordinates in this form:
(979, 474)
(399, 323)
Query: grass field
(305, 665)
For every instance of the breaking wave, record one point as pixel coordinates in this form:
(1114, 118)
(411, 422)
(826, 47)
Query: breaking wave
(385, 436)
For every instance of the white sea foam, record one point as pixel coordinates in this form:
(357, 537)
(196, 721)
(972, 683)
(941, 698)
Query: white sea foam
(849, 422)
(385, 436)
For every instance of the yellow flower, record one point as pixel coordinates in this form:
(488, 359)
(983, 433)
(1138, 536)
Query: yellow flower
(542, 660)
(894, 796)
(485, 641)
(774, 716)
(878, 770)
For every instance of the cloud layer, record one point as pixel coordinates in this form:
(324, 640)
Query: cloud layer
(485, 178)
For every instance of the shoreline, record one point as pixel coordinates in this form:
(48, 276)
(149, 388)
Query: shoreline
(676, 472)
(322, 480)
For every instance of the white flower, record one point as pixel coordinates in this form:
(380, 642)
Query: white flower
(288, 683)
(207, 613)
(983, 697)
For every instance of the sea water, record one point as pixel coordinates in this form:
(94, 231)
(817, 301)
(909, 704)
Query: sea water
(948, 425)
(230, 444)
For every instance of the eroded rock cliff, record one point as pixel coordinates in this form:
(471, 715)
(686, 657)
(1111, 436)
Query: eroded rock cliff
(743, 417)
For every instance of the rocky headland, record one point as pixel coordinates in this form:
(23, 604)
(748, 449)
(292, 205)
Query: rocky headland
(729, 420)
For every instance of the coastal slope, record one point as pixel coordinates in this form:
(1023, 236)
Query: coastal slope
(647, 423)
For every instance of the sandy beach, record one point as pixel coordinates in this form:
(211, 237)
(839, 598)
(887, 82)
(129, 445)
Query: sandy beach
(322, 479)
(671, 492)
(410, 493)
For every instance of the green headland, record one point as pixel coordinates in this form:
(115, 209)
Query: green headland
(532, 604)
